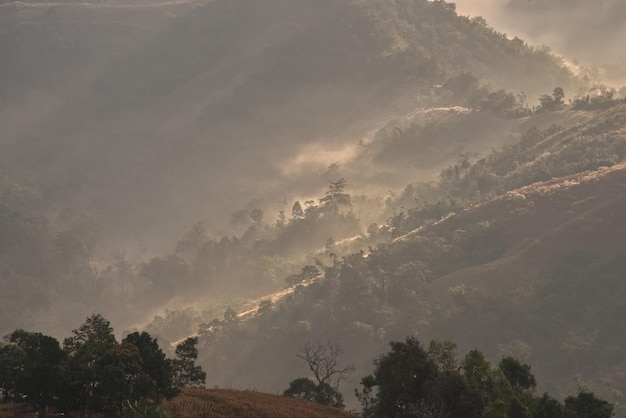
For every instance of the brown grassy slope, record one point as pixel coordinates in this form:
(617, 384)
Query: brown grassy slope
(540, 222)
(225, 403)
(228, 403)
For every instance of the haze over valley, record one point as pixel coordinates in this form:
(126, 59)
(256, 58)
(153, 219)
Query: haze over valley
(263, 174)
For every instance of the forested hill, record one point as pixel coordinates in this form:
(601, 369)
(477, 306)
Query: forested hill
(521, 255)
(404, 170)
(147, 115)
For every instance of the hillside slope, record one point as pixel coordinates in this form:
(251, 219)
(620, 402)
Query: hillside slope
(149, 115)
(225, 403)
(523, 255)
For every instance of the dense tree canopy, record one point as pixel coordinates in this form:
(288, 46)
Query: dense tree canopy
(411, 382)
(93, 372)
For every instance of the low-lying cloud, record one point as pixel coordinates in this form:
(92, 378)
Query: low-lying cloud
(591, 31)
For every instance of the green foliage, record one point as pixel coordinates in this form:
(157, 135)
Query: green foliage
(376, 294)
(587, 405)
(467, 90)
(307, 274)
(94, 376)
(443, 354)
(367, 395)
(518, 374)
(143, 410)
(93, 372)
(490, 384)
(550, 103)
(328, 395)
(187, 373)
(410, 31)
(402, 376)
(409, 384)
(596, 98)
(31, 369)
(535, 156)
(303, 388)
(393, 288)
(323, 393)
(156, 376)
(548, 407)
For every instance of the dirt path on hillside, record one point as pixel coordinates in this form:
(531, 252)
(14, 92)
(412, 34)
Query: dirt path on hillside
(250, 309)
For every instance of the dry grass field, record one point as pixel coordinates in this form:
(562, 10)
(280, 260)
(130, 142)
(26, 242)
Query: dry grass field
(224, 403)
(228, 403)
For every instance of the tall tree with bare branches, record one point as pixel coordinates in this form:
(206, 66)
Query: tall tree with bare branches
(323, 362)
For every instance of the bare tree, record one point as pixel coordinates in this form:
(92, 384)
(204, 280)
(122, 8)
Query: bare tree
(322, 360)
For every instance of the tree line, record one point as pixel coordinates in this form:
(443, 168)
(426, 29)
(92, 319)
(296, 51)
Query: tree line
(410, 381)
(93, 372)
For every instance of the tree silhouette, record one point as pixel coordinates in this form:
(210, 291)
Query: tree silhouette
(335, 196)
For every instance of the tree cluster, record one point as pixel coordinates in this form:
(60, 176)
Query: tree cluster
(411, 382)
(92, 371)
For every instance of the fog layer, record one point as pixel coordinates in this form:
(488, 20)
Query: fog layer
(591, 31)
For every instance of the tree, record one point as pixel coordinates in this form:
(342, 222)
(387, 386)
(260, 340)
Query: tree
(230, 315)
(413, 383)
(187, 373)
(167, 272)
(305, 388)
(518, 374)
(239, 217)
(31, 369)
(367, 395)
(452, 389)
(296, 211)
(193, 240)
(86, 350)
(328, 395)
(443, 354)
(116, 373)
(548, 407)
(103, 374)
(92, 339)
(308, 273)
(587, 405)
(558, 94)
(280, 222)
(323, 361)
(335, 196)
(256, 215)
(93, 372)
(478, 373)
(517, 409)
(155, 379)
(11, 359)
(552, 102)
(402, 376)
(265, 306)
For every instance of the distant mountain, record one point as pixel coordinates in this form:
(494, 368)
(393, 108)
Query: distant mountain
(148, 115)
(475, 193)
